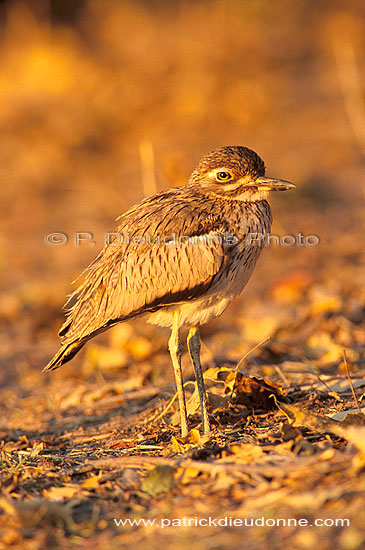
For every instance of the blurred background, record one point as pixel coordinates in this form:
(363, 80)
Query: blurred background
(104, 102)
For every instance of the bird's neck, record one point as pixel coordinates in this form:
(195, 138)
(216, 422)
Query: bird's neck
(246, 197)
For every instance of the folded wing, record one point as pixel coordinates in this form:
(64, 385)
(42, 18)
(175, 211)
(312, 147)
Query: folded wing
(126, 282)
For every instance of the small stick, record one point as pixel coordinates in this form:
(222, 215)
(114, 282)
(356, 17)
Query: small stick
(166, 408)
(331, 393)
(251, 351)
(282, 376)
(147, 168)
(169, 405)
(349, 379)
(324, 383)
(246, 355)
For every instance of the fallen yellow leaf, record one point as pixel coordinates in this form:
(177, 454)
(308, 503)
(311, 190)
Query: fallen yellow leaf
(61, 493)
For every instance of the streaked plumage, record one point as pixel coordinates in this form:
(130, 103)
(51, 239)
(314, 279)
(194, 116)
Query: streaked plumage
(180, 256)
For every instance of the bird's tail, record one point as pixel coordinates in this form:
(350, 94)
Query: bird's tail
(64, 354)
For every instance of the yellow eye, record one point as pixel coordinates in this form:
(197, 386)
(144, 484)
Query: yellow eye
(224, 176)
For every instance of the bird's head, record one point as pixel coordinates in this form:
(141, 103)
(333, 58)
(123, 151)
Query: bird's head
(237, 173)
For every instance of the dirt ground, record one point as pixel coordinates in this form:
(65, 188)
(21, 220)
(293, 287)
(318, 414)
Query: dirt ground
(102, 103)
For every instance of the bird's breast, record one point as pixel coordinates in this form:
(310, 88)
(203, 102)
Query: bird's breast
(244, 239)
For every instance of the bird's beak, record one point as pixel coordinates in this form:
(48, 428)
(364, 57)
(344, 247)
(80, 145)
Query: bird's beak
(272, 184)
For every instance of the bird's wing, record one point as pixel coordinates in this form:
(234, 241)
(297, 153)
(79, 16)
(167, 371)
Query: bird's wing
(163, 261)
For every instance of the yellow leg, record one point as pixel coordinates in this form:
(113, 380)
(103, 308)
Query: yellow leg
(194, 350)
(175, 350)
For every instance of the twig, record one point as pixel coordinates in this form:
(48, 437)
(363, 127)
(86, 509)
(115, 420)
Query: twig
(165, 409)
(282, 376)
(251, 351)
(350, 82)
(349, 379)
(245, 357)
(330, 392)
(171, 402)
(147, 168)
(324, 383)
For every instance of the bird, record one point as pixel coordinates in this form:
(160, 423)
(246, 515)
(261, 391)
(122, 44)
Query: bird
(178, 259)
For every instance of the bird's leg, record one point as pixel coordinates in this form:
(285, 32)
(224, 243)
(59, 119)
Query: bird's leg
(175, 349)
(194, 350)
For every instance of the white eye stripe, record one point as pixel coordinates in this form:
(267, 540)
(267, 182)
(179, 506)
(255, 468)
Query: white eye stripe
(232, 186)
(228, 186)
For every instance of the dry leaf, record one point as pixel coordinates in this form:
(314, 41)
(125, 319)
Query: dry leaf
(104, 358)
(256, 393)
(91, 483)
(183, 444)
(302, 417)
(61, 493)
(320, 346)
(192, 406)
(352, 416)
(344, 386)
(187, 475)
(158, 481)
(140, 348)
(290, 287)
(217, 401)
(245, 452)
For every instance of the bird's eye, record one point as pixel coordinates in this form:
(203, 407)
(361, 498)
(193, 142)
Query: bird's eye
(224, 176)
